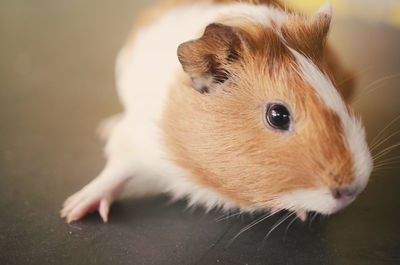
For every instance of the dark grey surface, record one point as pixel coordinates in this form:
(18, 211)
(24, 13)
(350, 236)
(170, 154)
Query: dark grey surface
(57, 83)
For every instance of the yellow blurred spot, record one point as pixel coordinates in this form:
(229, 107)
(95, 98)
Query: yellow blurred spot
(310, 6)
(394, 16)
(378, 11)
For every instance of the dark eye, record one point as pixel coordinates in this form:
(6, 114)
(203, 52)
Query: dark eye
(278, 116)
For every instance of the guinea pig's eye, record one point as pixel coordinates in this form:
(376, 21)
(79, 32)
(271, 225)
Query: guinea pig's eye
(278, 116)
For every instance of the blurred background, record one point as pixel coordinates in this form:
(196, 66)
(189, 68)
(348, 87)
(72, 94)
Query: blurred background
(387, 11)
(56, 84)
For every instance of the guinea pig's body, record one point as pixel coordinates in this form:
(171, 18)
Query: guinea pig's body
(195, 127)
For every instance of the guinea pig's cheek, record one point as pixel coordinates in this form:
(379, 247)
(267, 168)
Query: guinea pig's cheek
(318, 200)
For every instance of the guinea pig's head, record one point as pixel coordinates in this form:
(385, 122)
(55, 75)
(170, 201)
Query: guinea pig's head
(258, 119)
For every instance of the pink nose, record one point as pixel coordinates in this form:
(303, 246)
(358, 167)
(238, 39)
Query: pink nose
(343, 193)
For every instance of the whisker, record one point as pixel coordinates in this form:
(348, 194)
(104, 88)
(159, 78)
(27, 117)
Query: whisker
(252, 224)
(387, 166)
(352, 76)
(389, 160)
(313, 218)
(384, 140)
(225, 217)
(382, 169)
(291, 222)
(376, 138)
(370, 88)
(376, 173)
(283, 219)
(384, 78)
(385, 151)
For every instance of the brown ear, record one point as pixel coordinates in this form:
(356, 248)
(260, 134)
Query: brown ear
(206, 60)
(321, 22)
(309, 36)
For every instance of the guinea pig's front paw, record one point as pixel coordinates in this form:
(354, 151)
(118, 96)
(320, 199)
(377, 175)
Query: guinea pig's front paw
(85, 201)
(98, 195)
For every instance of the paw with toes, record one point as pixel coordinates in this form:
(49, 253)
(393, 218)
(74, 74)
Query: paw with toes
(83, 202)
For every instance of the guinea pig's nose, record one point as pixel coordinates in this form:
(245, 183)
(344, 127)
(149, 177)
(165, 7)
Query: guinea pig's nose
(343, 193)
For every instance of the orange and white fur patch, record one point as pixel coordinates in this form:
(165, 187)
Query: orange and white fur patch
(197, 79)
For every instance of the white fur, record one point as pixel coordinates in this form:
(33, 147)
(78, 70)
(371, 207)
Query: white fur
(319, 200)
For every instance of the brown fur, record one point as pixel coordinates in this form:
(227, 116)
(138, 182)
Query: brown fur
(221, 137)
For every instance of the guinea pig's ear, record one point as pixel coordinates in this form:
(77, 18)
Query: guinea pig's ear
(322, 19)
(206, 60)
(308, 35)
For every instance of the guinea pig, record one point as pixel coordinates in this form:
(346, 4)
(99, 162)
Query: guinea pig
(233, 105)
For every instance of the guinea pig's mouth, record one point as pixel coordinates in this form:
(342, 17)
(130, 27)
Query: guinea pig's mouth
(322, 201)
